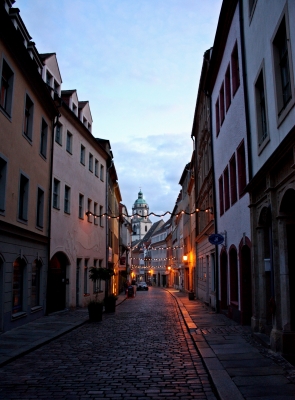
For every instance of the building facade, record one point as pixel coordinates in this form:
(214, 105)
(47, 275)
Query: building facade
(27, 116)
(225, 85)
(269, 37)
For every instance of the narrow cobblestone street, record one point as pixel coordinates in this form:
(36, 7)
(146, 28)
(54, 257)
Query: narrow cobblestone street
(143, 351)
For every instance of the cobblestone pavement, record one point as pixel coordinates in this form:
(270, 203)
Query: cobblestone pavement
(142, 351)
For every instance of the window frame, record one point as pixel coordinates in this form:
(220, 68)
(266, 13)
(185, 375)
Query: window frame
(226, 189)
(235, 69)
(3, 183)
(90, 162)
(43, 138)
(82, 154)
(67, 200)
(40, 208)
(233, 179)
(221, 200)
(28, 118)
(282, 109)
(260, 106)
(58, 136)
(56, 194)
(81, 206)
(69, 142)
(6, 107)
(242, 168)
(23, 197)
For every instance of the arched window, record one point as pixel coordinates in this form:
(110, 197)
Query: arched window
(18, 285)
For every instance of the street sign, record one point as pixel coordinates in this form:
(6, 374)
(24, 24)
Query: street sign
(216, 239)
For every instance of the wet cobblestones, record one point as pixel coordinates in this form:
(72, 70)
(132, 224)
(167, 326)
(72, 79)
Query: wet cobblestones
(143, 351)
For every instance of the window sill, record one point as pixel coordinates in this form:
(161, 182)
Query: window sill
(234, 303)
(18, 315)
(36, 309)
(43, 157)
(23, 221)
(86, 294)
(40, 228)
(4, 112)
(28, 139)
(263, 144)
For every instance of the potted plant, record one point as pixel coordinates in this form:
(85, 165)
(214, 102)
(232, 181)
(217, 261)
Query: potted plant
(110, 303)
(95, 306)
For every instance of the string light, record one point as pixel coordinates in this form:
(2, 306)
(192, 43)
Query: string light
(197, 210)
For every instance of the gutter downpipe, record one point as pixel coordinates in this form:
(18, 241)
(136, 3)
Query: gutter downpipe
(214, 210)
(196, 215)
(246, 96)
(50, 201)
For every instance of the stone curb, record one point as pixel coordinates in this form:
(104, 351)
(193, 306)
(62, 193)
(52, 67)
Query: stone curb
(223, 383)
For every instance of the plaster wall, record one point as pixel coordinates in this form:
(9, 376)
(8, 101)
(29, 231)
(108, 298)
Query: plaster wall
(266, 18)
(78, 237)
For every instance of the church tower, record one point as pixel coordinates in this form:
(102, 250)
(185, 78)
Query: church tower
(140, 222)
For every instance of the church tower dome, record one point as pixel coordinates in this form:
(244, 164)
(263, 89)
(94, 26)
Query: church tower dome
(140, 221)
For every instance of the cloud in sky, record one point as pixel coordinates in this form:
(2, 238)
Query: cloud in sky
(138, 62)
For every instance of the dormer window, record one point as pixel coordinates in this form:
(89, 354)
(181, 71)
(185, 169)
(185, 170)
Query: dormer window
(89, 127)
(84, 121)
(48, 78)
(56, 88)
(74, 107)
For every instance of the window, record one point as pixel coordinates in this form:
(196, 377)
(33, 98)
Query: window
(44, 133)
(261, 109)
(227, 88)
(56, 188)
(69, 142)
(95, 213)
(281, 52)
(85, 122)
(67, 202)
(220, 185)
(96, 167)
(217, 117)
(48, 78)
(226, 189)
(241, 168)
(3, 174)
(233, 179)
(221, 97)
(100, 215)
(74, 109)
(235, 69)
(252, 4)
(101, 172)
(58, 133)
(56, 87)
(40, 208)
(90, 162)
(89, 127)
(6, 88)
(89, 205)
(82, 155)
(28, 118)
(86, 276)
(35, 284)
(23, 198)
(81, 206)
(18, 286)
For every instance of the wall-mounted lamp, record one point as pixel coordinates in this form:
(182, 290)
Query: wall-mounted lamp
(184, 258)
(88, 213)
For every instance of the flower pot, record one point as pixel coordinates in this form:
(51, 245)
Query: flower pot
(110, 305)
(95, 311)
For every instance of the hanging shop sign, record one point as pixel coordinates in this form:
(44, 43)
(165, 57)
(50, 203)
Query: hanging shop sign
(216, 239)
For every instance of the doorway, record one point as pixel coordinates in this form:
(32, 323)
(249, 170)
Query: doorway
(56, 294)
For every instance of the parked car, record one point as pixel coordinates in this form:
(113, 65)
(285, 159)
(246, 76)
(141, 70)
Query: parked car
(142, 286)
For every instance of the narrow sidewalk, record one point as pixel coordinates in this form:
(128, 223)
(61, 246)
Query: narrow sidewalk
(240, 367)
(28, 337)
